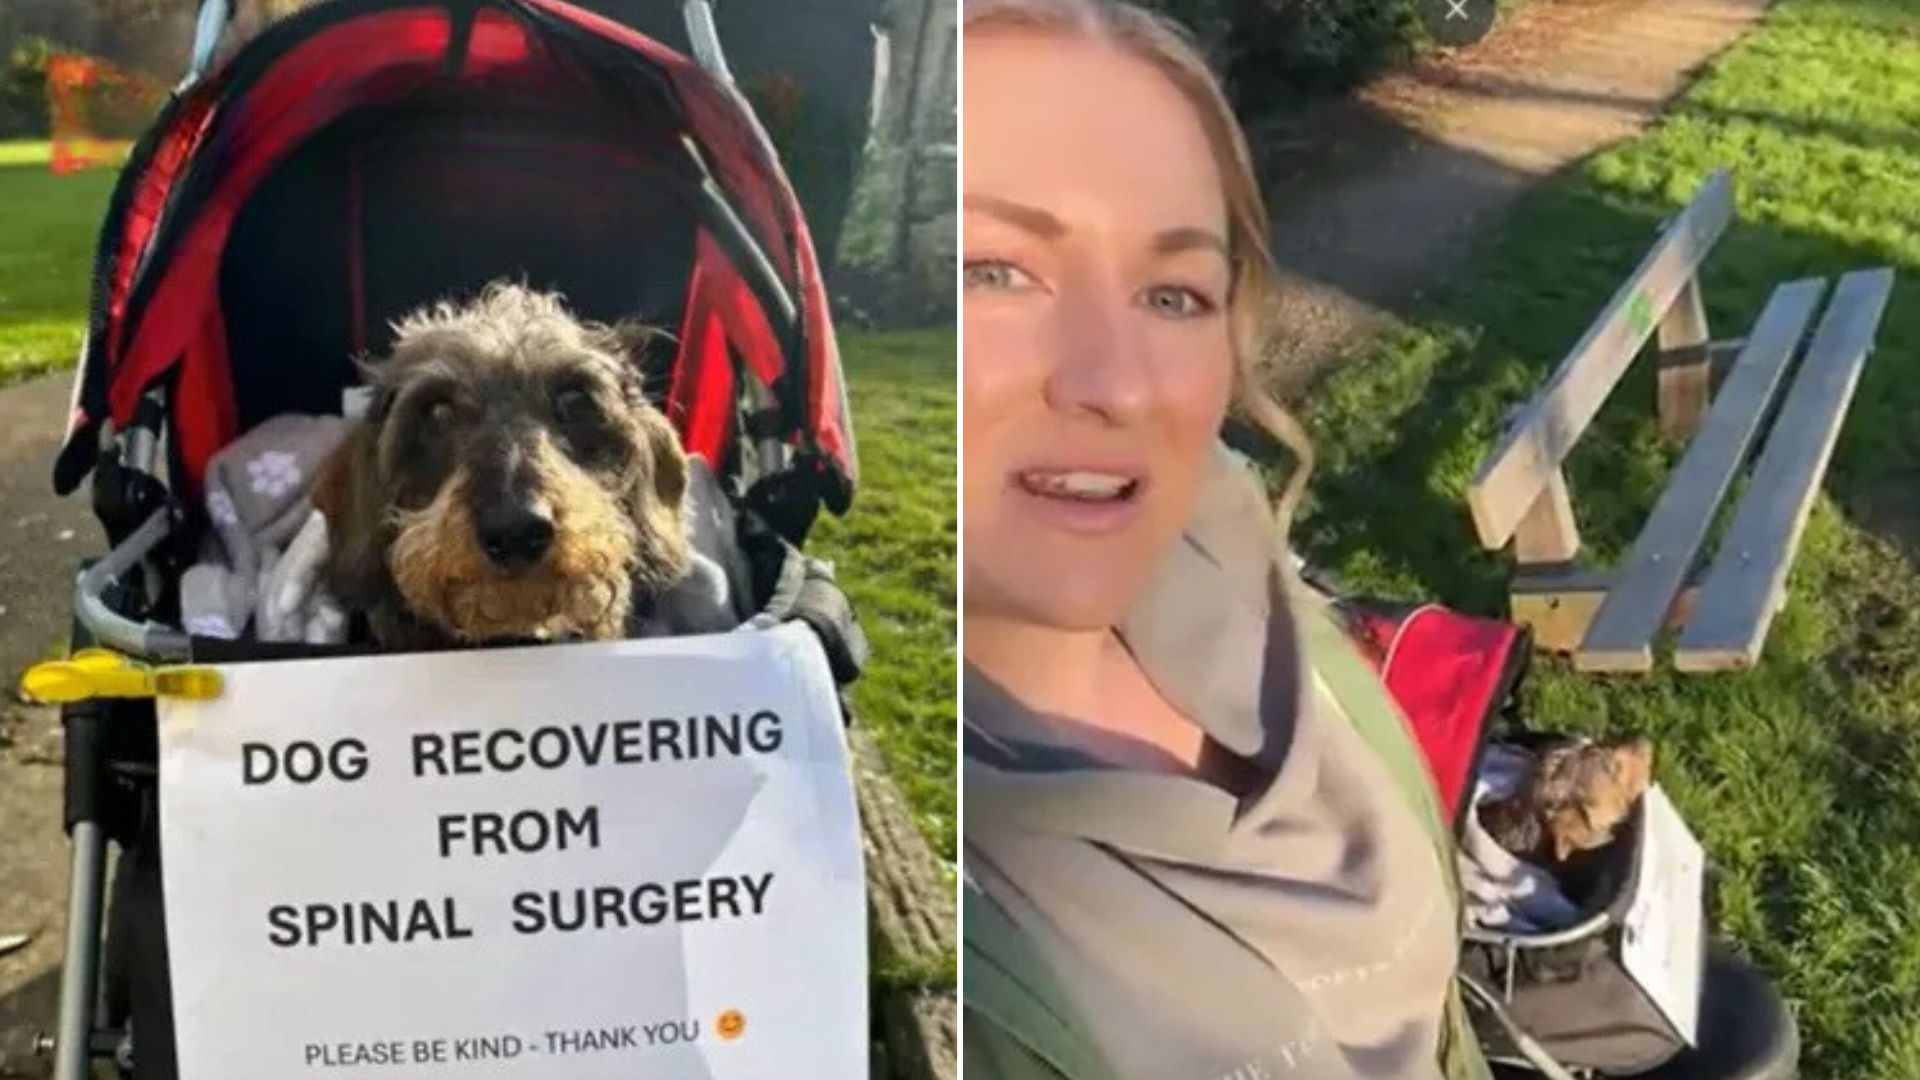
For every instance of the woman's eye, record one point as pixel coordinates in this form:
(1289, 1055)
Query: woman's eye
(575, 406)
(1178, 302)
(995, 274)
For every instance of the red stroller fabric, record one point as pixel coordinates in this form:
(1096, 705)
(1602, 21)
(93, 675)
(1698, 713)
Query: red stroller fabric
(158, 311)
(1450, 674)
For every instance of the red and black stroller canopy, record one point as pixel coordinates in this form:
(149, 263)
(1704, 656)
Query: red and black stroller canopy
(368, 156)
(1453, 675)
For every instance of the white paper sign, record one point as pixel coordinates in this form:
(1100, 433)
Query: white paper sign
(1662, 947)
(632, 859)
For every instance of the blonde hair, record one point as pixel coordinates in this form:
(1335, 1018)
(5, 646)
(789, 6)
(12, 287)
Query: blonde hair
(1168, 47)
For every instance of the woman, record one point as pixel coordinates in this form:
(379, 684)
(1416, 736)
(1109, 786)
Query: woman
(1198, 841)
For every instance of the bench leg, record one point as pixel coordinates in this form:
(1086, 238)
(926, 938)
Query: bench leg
(1686, 365)
(1548, 534)
(1558, 619)
(1544, 545)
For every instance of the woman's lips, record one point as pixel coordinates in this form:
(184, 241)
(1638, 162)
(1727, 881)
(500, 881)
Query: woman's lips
(1088, 502)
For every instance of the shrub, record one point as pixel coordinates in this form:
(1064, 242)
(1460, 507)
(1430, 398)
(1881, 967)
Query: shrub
(1282, 46)
(1270, 50)
(114, 103)
(1211, 21)
(23, 89)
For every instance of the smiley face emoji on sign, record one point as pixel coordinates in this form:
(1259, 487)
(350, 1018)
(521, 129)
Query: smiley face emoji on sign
(730, 1024)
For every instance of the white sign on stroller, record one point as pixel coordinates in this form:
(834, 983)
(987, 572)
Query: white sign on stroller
(1663, 946)
(627, 859)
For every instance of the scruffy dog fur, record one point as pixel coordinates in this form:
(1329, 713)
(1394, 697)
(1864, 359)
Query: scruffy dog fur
(1574, 796)
(509, 481)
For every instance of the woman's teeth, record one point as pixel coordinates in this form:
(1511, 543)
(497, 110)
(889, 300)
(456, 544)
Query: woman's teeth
(1082, 486)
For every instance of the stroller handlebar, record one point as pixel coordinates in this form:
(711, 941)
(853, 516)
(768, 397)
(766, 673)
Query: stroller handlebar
(209, 28)
(704, 36)
(215, 15)
(143, 640)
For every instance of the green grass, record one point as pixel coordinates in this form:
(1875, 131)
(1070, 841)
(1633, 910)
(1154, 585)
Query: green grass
(1802, 777)
(895, 553)
(48, 226)
(25, 152)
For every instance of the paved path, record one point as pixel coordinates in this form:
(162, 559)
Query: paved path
(1376, 197)
(41, 542)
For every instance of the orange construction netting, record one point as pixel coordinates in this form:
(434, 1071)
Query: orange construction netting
(97, 110)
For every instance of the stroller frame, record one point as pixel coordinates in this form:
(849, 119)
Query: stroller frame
(134, 505)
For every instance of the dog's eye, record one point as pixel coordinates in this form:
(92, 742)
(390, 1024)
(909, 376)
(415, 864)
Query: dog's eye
(575, 405)
(440, 413)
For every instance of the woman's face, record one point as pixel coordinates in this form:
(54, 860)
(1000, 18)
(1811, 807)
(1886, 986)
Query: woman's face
(1097, 357)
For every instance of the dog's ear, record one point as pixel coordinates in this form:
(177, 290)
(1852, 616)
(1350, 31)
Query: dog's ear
(1565, 842)
(669, 456)
(635, 344)
(347, 494)
(379, 391)
(1511, 823)
(638, 341)
(655, 501)
(332, 491)
(1632, 763)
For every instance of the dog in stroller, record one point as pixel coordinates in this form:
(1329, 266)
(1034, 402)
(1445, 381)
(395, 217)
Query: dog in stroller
(512, 483)
(357, 162)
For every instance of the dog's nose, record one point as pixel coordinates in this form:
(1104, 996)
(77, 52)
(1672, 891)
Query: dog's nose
(515, 536)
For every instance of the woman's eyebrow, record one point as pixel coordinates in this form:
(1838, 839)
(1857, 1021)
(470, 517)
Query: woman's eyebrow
(1045, 225)
(1174, 241)
(1021, 216)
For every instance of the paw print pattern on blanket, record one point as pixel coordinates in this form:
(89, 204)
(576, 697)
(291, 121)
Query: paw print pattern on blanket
(273, 473)
(255, 499)
(220, 508)
(211, 626)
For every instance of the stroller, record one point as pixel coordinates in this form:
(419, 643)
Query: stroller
(1552, 1004)
(346, 166)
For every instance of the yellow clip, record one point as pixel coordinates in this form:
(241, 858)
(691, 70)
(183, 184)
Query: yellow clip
(98, 673)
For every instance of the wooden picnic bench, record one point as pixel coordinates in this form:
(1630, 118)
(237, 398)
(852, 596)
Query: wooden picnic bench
(1609, 618)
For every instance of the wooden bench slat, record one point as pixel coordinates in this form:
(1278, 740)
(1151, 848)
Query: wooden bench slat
(1746, 582)
(1533, 447)
(1621, 637)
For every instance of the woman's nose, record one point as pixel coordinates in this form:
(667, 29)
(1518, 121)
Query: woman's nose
(1099, 366)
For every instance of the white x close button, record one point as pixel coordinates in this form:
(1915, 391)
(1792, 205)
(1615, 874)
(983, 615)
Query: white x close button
(1457, 22)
